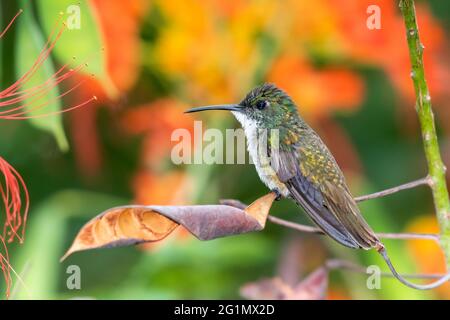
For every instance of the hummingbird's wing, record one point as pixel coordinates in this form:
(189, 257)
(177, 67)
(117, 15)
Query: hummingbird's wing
(316, 183)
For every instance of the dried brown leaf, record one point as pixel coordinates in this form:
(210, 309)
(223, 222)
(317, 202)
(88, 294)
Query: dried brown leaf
(128, 225)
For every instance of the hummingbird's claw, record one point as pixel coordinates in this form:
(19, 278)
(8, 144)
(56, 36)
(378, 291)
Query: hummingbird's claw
(278, 194)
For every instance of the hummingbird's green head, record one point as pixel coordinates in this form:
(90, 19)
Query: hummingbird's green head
(265, 106)
(268, 106)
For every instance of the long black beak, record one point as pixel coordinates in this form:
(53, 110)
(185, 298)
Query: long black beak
(229, 107)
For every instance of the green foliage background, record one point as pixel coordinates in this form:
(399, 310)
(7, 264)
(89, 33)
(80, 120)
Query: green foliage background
(62, 200)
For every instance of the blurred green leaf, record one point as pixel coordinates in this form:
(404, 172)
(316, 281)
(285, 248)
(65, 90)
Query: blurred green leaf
(82, 40)
(209, 270)
(1, 49)
(28, 46)
(38, 258)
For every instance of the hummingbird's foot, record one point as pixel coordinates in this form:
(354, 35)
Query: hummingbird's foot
(278, 194)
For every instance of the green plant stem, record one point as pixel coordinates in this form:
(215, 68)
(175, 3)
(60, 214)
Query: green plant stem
(426, 118)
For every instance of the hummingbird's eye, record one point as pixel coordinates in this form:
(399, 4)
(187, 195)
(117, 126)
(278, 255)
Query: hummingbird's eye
(262, 104)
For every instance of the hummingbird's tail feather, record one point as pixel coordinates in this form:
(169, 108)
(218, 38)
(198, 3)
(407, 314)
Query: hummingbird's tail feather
(341, 203)
(311, 200)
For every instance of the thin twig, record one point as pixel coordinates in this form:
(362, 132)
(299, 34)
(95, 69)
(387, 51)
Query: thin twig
(409, 236)
(309, 229)
(383, 193)
(293, 225)
(334, 264)
(381, 249)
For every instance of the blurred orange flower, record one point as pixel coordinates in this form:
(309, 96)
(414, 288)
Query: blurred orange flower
(335, 293)
(121, 38)
(214, 49)
(156, 120)
(122, 47)
(384, 48)
(161, 188)
(428, 254)
(317, 91)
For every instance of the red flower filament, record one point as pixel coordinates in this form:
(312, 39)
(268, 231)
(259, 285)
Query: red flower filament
(16, 103)
(16, 211)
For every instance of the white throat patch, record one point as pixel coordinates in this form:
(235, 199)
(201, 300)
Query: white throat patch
(260, 159)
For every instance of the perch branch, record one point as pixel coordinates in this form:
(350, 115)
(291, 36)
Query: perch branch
(383, 193)
(309, 229)
(293, 225)
(426, 118)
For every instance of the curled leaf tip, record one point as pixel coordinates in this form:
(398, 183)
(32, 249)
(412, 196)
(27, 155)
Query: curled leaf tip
(259, 209)
(68, 253)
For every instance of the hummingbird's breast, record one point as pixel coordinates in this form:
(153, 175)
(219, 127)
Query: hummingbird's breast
(257, 146)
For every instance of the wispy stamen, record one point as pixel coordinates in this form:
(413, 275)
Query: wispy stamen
(19, 103)
(10, 23)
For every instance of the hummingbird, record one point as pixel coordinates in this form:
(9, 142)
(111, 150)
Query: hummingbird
(293, 162)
